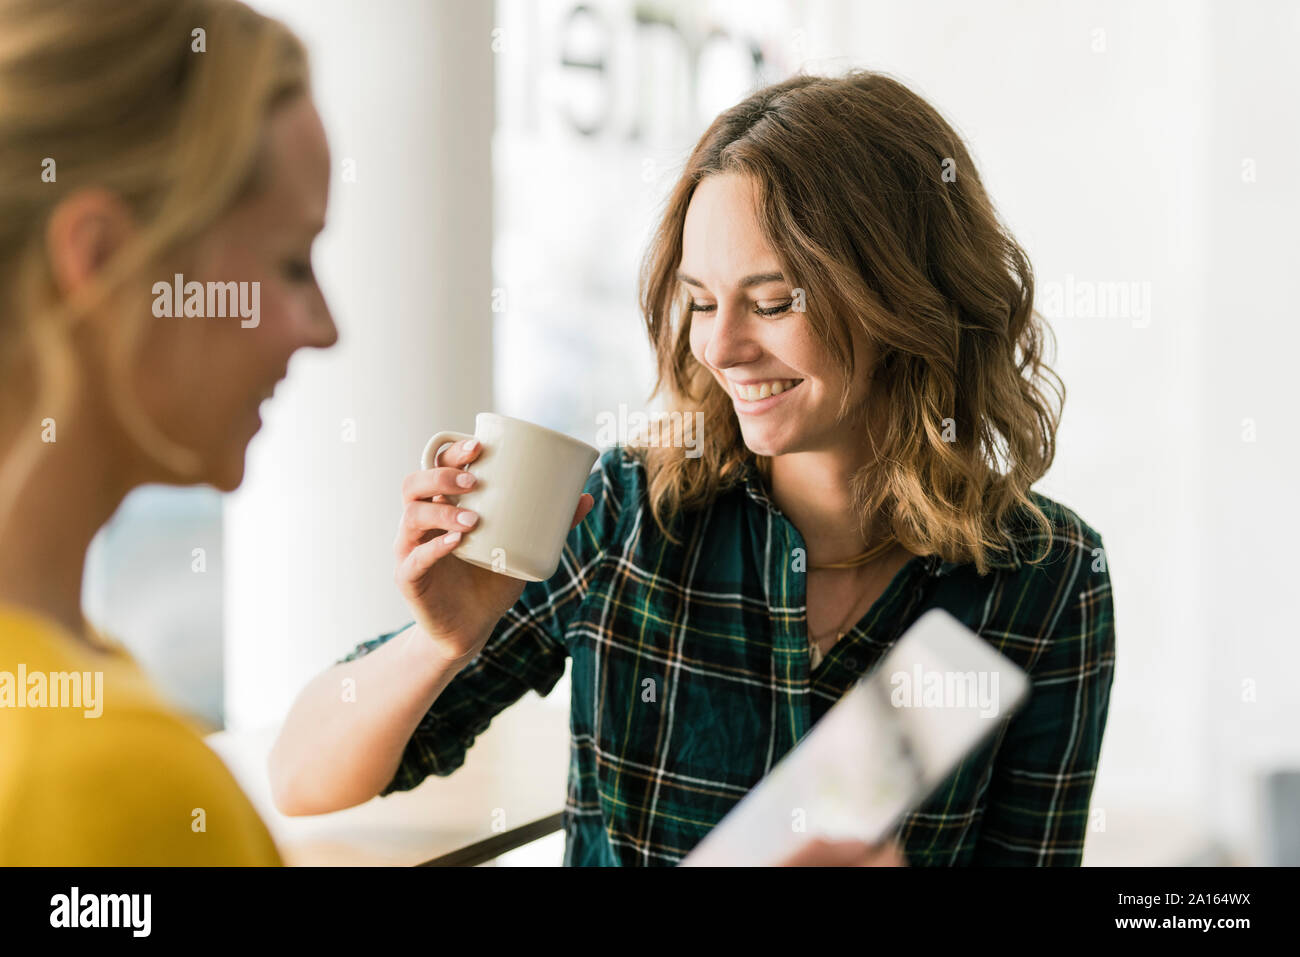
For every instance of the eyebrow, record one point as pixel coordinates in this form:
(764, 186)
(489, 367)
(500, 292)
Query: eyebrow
(756, 279)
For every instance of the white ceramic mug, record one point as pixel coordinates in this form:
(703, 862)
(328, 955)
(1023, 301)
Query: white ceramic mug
(529, 482)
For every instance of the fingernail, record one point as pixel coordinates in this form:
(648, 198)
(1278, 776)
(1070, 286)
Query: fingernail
(465, 479)
(451, 538)
(470, 444)
(467, 518)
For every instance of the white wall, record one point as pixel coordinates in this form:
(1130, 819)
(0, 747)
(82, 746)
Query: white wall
(1252, 340)
(405, 90)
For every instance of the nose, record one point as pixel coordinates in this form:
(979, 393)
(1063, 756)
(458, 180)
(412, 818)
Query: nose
(729, 338)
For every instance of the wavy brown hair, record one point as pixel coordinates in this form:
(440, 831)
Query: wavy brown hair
(874, 208)
(120, 97)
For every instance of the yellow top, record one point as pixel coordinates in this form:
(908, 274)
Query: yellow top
(96, 770)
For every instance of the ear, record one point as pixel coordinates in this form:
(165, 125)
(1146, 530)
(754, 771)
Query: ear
(83, 233)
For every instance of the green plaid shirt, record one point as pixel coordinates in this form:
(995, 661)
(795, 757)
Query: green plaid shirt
(690, 677)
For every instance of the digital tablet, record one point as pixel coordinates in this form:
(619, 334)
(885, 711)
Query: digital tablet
(879, 752)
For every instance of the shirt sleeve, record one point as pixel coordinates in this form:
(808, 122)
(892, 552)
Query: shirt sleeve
(526, 651)
(1042, 780)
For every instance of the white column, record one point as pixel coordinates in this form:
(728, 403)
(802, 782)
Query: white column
(406, 93)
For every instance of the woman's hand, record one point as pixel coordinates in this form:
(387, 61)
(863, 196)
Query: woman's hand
(455, 603)
(823, 852)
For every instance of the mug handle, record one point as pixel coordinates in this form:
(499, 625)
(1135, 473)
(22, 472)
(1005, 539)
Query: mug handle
(430, 457)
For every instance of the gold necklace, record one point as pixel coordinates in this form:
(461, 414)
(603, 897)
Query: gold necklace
(854, 562)
(861, 559)
(840, 632)
(815, 655)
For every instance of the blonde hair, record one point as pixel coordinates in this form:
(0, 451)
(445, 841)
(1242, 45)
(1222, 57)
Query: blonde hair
(160, 102)
(854, 200)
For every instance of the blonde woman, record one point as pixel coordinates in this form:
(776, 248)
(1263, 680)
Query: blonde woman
(139, 140)
(831, 296)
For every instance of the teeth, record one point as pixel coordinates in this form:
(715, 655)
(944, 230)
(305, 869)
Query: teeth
(762, 390)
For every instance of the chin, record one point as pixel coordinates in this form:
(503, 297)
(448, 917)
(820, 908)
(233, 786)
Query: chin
(229, 475)
(763, 445)
(230, 485)
(228, 465)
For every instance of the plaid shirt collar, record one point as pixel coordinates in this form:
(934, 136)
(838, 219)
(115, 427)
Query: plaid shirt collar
(1007, 558)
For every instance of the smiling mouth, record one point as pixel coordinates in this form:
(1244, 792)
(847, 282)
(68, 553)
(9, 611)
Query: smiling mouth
(757, 392)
